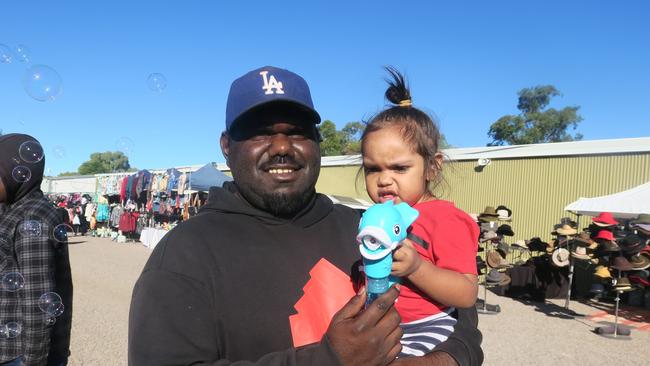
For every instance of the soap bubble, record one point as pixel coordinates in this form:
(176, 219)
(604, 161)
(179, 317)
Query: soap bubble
(58, 152)
(31, 152)
(13, 281)
(21, 174)
(22, 53)
(157, 82)
(42, 83)
(15, 160)
(5, 54)
(50, 320)
(30, 228)
(60, 232)
(10, 330)
(125, 145)
(51, 304)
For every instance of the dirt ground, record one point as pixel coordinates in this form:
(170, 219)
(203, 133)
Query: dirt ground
(104, 273)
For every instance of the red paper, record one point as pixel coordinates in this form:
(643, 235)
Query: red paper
(325, 293)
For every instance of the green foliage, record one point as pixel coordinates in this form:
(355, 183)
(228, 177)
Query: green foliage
(67, 174)
(534, 124)
(443, 144)
(106, 162)
(343, 142)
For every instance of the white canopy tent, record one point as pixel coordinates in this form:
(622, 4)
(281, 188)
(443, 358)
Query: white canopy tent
(625, 205)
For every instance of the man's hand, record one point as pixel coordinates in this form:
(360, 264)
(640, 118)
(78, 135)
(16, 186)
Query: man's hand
(406, 260)
(367, 337)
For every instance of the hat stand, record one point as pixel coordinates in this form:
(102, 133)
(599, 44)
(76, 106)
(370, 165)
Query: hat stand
(615, 332)
(486, 308)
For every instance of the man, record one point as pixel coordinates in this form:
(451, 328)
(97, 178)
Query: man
(220, 287)
(29, 252)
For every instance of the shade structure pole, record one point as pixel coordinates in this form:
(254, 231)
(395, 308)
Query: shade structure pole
(568, 295)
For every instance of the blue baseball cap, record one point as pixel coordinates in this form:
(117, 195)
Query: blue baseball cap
(266, 85)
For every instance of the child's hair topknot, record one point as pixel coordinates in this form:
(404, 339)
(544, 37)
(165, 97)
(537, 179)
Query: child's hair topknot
(416, 126)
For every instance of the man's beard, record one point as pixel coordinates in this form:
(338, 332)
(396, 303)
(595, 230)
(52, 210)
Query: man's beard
(286, 205)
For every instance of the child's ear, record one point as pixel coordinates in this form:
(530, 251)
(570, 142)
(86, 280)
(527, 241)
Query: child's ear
(435, 166)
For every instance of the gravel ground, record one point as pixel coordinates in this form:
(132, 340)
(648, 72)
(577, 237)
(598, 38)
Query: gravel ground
(104, 273)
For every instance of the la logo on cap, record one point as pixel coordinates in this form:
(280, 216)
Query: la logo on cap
(270, 83)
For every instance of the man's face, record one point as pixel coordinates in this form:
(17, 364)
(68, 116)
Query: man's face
(274, 156)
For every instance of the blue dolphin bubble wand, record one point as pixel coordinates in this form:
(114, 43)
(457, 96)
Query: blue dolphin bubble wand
(382, 227)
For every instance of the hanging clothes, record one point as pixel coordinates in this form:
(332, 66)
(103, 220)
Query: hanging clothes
(102, 212)
(182, 181)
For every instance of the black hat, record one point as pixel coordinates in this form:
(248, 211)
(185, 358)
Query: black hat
(506, 230)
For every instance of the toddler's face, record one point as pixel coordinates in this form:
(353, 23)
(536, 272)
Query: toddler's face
(393, 170)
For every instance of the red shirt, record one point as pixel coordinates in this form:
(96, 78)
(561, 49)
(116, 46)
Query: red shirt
(453, 242)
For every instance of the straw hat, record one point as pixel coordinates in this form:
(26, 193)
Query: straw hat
(567, 230)
(639, 262)
(495, 260)
(580, 253)
(560, 257)
(489, 214)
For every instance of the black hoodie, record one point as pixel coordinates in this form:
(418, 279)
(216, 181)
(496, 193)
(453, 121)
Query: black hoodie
(219, 288)
(222, 285)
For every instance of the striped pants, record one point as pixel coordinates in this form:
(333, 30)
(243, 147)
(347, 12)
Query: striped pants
(423, 335)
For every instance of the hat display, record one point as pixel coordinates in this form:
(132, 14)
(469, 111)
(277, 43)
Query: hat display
(621, 263)
(488, 235)
(604, 219)
(622, 284)
(639, 262)
(520, 243)
(567, 230)
(560, 257)
(537, 245)
(503, 247)
(602, 272)
(505, 214)
(582, 239)
(609, 246)
(643, 219)
(506, 230)
(487, 226)
(489, 214)
(567, 221)
(580, 253)
(605, 235)
(630, 244)
(495, 260)
(495, 277)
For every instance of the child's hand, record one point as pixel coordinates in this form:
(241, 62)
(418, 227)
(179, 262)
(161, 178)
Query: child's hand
(406, 260)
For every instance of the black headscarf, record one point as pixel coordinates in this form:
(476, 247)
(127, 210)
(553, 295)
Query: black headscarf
(10, 159)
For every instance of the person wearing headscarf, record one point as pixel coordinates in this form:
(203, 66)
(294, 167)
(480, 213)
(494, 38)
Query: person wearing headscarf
(34, 261)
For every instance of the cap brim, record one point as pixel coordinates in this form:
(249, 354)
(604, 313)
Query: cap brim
(311, 115)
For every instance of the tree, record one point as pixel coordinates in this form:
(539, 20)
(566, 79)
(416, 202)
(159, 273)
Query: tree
(343, 142)
(443, 144)
(534, 124)
(106, 162)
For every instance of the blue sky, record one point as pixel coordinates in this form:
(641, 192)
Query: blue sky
(465, 62)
